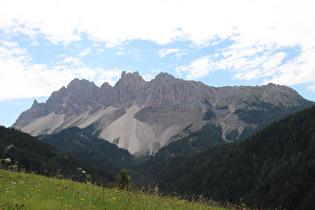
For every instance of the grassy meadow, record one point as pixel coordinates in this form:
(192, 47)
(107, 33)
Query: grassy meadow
(29, 191)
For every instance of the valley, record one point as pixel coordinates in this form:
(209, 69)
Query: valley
(228, 143)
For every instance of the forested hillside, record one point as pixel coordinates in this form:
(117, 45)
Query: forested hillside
(20, 151)
(274, 168)
(82, 144)
(152, 169)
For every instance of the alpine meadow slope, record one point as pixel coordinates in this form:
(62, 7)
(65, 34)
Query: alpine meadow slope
(144, 116)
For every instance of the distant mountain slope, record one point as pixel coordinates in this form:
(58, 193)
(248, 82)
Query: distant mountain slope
(142, 116)
(273, 169)
(85, 146)
(33, 155)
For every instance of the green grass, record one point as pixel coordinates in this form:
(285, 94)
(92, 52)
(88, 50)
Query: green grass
(30, 191)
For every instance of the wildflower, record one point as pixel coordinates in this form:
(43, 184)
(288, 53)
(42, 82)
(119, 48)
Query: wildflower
(38, 190)
(93, 207)
(61, 197)
(164, 204)
(66, 206)
(114, 198)
(81, 199)
(8, 148)
(133, 203)
(58, 198)
(8, 160)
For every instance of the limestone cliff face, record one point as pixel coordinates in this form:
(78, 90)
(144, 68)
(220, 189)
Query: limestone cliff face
(142, 116)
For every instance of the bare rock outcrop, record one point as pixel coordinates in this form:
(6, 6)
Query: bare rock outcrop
(142, 116)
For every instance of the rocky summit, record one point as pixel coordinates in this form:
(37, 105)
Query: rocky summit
(143, 116)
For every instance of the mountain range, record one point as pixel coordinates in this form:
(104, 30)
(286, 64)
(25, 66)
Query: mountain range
(237, 144)
(275, 168)
(144, 116)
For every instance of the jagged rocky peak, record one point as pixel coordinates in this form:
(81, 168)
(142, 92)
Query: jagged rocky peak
(105, 85)
(77, 85)
(164, 75)
(128, 89)
(35, 103)
(81, 91)
(280, 94)
(128, 79)
(57, 96)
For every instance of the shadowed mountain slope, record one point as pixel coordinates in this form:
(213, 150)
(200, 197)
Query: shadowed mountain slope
(30, 154)
(273, 169)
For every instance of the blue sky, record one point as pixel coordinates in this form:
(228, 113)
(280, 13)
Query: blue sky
(46, 44)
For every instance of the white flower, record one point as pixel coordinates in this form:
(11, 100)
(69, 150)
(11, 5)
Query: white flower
(7, 160)
(83, 172)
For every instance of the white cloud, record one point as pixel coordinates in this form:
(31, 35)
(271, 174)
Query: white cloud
(198, 68)
(110, 76)
(85, 52)
(73, 61)
(300, 70)
(148, 77)
(116, 22)
(178, 53)
(20, 78)
(259, 32)
(165, 52)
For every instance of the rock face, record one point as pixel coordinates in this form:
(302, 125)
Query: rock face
(142, 116)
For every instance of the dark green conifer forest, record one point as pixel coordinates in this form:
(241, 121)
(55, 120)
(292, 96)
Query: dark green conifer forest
(29, 154)
(274, 168)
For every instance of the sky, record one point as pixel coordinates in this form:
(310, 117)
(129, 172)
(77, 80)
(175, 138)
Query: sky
(46, 44)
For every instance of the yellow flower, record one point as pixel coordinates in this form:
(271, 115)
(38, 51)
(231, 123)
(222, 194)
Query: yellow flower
(66, 206)
(114, 198)
(81, 199)
(38, 190)
(133, 203)
(58, 198)
(61, 197)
